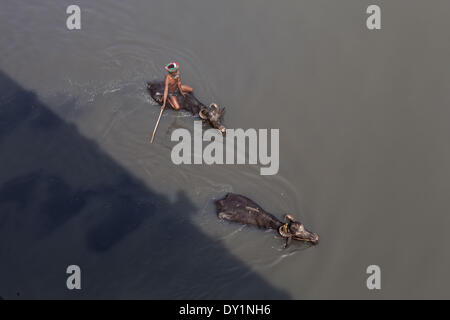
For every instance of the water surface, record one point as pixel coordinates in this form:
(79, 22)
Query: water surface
(364, 156)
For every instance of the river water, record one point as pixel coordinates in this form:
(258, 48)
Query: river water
(364, 153)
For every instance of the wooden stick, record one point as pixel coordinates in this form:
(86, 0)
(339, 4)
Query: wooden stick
(156, 126)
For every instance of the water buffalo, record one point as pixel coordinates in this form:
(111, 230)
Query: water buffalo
(237, 208)
(211, 115)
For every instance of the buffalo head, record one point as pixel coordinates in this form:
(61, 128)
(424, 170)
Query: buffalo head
(213, 114)
(297, 231)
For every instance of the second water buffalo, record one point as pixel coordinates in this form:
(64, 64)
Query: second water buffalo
(240, 209)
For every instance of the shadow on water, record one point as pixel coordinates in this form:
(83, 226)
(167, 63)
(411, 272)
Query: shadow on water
(64, 201)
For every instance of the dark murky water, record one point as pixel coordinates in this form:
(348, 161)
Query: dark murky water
(364, 153)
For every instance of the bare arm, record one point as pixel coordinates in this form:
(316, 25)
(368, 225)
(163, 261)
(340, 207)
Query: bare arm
(166, 92)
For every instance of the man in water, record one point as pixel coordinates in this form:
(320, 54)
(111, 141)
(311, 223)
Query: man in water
(173, 86)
